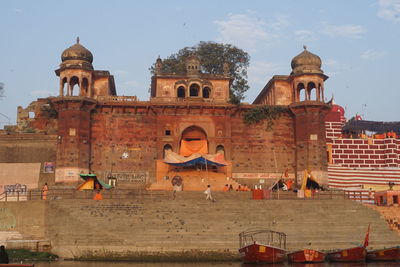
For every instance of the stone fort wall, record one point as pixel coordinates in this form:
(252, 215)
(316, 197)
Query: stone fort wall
(128, 141)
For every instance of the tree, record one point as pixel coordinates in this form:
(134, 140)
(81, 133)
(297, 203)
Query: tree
(212, 57)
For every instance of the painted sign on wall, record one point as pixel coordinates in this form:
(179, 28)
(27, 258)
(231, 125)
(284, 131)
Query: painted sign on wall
(14, 189)
(48, 167)
(128, 177)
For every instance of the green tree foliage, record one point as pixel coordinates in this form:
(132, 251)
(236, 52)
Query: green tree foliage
(212, 57)
(265, 112)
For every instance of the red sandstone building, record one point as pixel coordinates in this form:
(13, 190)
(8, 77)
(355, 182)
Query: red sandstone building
(88, 128)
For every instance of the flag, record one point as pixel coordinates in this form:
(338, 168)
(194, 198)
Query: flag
(367, 237)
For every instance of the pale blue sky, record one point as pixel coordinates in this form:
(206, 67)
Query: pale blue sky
(358, 42)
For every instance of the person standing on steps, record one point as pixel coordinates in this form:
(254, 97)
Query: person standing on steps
(208, 193)
(45, 190)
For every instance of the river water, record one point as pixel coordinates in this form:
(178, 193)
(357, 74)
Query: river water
(202, 264)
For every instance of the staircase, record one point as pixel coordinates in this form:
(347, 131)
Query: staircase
(157, 223)
(391, 214)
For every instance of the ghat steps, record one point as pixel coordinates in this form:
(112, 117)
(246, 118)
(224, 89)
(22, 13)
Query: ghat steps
(157, 222)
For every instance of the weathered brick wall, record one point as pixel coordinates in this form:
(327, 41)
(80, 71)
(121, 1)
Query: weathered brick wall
(366, 153)
(123, 144)
(257, 149)
(127, 141)
(27, 148)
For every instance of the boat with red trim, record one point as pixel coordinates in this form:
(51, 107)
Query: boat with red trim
(355, 254)
(262, 246)
(306, 256)
(17, 264)
(385, 254)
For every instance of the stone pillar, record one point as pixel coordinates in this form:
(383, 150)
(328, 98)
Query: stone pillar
(73, 146)
(310, 140)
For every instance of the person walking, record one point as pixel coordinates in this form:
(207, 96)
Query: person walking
(208, 193)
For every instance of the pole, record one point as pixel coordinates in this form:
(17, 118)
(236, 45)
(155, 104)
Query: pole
(205, 160)
(276, 170)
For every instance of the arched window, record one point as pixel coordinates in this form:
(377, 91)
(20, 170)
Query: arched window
(167, 148)
(194, 89)
(312, 91)
(64, 86)
(301, 92)
(220, 149)
(72, 82)
(206, 92)
(85, 87)
(181, 91)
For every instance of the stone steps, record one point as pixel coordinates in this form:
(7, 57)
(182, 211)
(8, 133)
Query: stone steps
(190, 221)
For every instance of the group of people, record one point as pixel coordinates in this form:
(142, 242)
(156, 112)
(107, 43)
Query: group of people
(239, 188)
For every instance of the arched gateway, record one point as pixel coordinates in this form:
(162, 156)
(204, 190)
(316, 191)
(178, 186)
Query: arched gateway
(192, 163)
(194, 140)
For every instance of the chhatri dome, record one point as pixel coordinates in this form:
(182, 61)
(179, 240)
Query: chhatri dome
(306, 62)
(76, 56)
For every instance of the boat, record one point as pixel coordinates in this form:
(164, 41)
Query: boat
(386, 254)
(355, 254)
(262, 246)
(306, 256)
(17, 264)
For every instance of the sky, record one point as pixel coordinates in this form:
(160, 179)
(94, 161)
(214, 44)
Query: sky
(358, 42)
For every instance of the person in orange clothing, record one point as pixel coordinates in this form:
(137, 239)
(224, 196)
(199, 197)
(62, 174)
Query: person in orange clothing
(98, 196)
(45, 190)
(226, 188)
(246, 188)
(289, 184)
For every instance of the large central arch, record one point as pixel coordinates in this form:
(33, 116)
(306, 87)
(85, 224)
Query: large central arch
(193, 140)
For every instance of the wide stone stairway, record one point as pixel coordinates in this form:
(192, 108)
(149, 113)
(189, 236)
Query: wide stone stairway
(157, 223)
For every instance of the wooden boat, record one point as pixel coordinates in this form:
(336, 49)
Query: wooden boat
(355, 254)
(17, 264)
(386, 254)
(306, 256)
(262, 246)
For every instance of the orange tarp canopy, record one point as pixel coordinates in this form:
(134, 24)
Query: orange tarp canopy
(195, 146)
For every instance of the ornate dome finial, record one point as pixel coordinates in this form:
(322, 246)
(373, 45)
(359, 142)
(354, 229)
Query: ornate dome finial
(76, 56)
(306, 62)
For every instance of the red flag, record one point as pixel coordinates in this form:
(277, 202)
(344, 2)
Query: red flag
(367, 237)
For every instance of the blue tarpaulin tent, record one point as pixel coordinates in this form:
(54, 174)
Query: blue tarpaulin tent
(196, 161)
